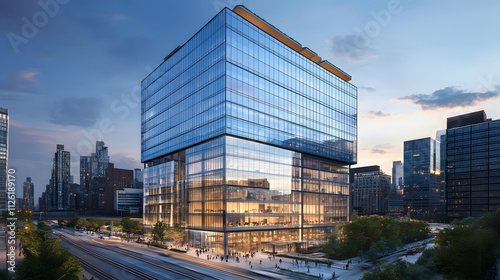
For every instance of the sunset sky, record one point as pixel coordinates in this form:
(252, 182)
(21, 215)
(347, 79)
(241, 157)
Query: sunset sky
(73, 76)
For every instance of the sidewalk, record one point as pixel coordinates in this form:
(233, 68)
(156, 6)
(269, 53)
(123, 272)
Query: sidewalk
(261, 262)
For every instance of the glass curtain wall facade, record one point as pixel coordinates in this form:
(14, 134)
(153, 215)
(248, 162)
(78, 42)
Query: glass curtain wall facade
(473, 165)
(423, 191)
(246, 142)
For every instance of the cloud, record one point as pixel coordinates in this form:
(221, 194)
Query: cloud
(24, 81)
(346, 47)
(82, 112)
(124, 160)
(450, 98)
(376, 114)
(382, 148)
(368, 89)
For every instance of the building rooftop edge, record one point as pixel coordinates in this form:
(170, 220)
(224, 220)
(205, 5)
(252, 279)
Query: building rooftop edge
(290, 42)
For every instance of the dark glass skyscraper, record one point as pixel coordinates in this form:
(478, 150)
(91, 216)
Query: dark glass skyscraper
(60, 182)
(472, 165)
(423, 191)
(247, 138)
(4, 156)
(28, 195)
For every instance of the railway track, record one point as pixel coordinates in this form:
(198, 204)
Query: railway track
(133, 271)
(99, 273)
(128, 253)
(137, 256)
(134, 255)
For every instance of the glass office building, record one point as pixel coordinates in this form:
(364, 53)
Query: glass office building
(424, 190)
(472, 165)
(247, 138)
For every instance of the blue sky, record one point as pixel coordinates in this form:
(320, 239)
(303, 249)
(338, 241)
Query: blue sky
(74, 75)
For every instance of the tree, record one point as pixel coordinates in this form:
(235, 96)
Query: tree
(490, 220)
(362, 232)
(44, 259)
(4, 275)
(42, 226)
(52, 262)
(177, 234)
(389, 271)
(466, 252)
(131, 226)
(423, 269)
(75, 222)
(94, 224)
(136, 227)
(116, 223)
(159, 231)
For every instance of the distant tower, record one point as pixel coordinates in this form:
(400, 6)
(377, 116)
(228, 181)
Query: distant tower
(94, 165)
(28, 195)
(423, 185)
(138, 183)
(60, 183)
(397, 175)
(4, 149)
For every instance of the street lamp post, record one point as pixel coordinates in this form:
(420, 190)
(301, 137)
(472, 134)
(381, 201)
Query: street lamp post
(45, 233)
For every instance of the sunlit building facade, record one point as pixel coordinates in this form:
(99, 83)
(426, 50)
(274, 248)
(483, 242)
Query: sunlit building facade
(247, 138)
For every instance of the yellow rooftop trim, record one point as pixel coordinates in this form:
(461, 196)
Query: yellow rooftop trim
(264, 26)
(311, 55)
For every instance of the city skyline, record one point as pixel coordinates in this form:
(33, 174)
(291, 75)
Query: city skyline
(59, 86)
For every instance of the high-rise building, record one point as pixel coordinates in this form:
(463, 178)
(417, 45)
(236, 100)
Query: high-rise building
(472, 165)
(44, 200)
(96, 199)
(423, 186)
(60, 182)
(28, 195)
(4, 156)
(101, 159)
(397, 175)
(77, 197)
(370, 190)
(94, 165)
(116, 179)
(138, 181)
(247, 138)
